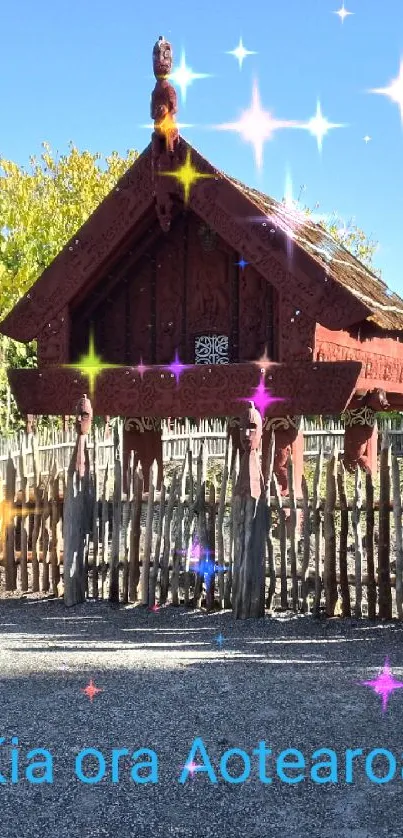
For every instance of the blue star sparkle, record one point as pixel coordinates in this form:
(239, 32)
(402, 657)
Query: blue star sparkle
(203, 563)
(242, 264)
(219, 640)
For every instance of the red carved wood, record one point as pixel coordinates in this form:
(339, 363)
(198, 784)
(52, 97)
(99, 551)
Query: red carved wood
(378, 370)
(255, 315)
(54, 340)
(169, 279)
(223, 207)
(202, 390)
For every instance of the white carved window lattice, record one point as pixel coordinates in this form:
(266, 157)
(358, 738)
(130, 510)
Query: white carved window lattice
(211, 349)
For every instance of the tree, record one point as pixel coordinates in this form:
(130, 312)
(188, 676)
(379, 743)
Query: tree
(40, 210)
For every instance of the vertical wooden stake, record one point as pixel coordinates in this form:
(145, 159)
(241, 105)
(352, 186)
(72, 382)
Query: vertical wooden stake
(357, 505)
(385, 593)
(117, 518)
(148, 538)
(269, 536)
(329, 530)
(397, 512)
(293, 532)
(345, 590)
(369, 543)
(317, 520)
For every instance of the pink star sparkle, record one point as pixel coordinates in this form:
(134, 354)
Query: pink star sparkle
(384, 684)
(256, 126)
(262, 398)
(264, 363)
(177, 368)
(91, 690)
(191, 767)
(141, 368)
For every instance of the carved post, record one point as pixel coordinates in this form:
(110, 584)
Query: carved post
(30, 424)
(361, 430)
(77, 509)
(165, 137)
(107, 427)
(143, 436)
(289, 441)
(250, 524)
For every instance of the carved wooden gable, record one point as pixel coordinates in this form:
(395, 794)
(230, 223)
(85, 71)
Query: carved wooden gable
(186, 293)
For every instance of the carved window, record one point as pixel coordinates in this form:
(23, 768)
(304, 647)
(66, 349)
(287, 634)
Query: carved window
(211, 349)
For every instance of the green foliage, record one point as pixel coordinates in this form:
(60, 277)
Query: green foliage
(40, 210)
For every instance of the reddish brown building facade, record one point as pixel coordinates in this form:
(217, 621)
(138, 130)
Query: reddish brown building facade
(151, 288)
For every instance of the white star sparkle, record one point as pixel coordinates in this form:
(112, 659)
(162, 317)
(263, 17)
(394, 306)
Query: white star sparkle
(343, 13)
(367, 139)
(240, 53)
(394, 91)
(183, 77)
(256, 126)
(319, 126)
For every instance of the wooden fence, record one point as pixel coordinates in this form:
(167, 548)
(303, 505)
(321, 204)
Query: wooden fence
(337, 549)
(55, 445)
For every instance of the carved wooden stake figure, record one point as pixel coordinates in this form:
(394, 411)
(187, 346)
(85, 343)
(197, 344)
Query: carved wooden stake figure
(165, 137)
(250, 523)
(77, 509)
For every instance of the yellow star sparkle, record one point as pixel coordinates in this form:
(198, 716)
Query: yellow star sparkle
(8, 513)
(91, 365)
(187, 175)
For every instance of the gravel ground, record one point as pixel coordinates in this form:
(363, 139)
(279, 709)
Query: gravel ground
(290, 681)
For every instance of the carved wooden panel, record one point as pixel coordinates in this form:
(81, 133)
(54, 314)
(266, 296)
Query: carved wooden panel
(255, 316)
(53, 342)
(215, 390)
(297, 331)
(208, 289)
(170, 256)
(138, 312)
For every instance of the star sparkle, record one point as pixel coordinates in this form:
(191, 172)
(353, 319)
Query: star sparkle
(384, 684)
(367, 139)
(242, 264)
(166, 125)
(264, 363)
(201, 562)
(177, 368)
(91, 690)
(394, 91)
(343, 13)
(183, 77)
(256, 126)
(141, 369)
(240, 53)
(191, 767)
(187, 175)
(9, 512)
(220, 640)
(262, 398)
(319, 126)
(91, 365)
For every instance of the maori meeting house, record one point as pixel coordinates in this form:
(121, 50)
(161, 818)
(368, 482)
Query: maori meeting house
(223, 278)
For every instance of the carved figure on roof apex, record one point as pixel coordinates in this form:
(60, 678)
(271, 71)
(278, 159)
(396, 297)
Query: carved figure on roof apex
(165, 138)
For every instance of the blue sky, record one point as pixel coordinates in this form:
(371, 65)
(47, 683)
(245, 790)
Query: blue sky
(81, 70)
